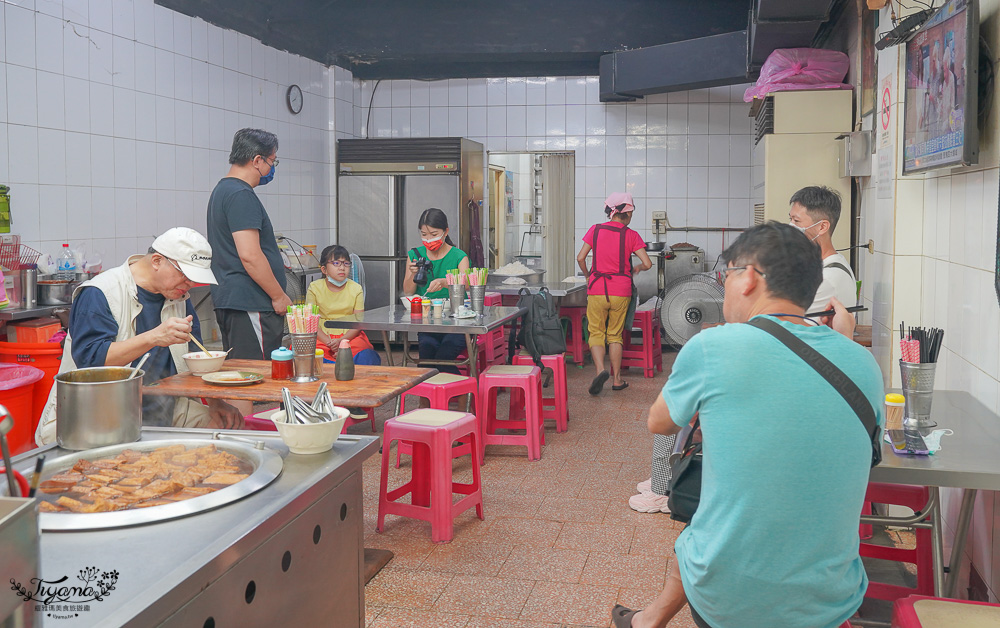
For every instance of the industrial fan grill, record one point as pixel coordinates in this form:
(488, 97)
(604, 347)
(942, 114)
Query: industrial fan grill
(688, 303)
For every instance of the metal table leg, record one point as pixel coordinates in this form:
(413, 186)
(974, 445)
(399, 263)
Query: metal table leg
(937, 545)
(961, 534)
(388, 349)
(472, 348)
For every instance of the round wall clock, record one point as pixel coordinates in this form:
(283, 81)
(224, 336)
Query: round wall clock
(294, 99)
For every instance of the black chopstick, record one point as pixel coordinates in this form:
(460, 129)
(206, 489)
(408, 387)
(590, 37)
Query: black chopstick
(851, 310)
(37, 476)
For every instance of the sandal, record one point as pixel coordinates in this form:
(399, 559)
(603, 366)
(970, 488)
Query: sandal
(597, 385)
(621, 617)
(623, 386)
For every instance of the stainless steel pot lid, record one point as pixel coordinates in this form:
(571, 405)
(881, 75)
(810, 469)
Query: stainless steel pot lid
(267, 465)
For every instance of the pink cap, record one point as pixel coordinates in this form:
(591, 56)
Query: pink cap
(620, 198)
(345, 344)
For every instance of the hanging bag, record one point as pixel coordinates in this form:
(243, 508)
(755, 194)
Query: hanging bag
(541, 332)
(685, 483)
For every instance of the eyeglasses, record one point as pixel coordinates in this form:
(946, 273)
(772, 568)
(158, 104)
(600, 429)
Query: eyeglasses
(346, 265)
(720, 275)
(273, 164)
(176, 267)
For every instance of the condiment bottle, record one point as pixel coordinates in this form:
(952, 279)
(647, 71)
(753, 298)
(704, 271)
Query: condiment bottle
(281, 363)
(318, 367)
(416, 308)
(425, 307)
(344, 369)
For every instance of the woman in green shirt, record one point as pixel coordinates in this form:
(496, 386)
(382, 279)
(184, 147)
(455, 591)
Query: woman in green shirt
(444, 256)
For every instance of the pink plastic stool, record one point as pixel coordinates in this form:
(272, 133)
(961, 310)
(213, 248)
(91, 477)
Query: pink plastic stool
(649, 355)
(557, 407)
(906, 612)
(529, 380)
(432, 433)
(914, 498)
(439, 390)
(260, 421)
(575, 345)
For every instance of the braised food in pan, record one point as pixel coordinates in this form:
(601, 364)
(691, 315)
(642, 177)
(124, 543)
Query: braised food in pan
(135, 479)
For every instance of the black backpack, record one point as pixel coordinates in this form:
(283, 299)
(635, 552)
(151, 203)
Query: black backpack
(541, 332)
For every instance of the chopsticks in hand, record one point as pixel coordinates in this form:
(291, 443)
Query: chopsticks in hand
(200, 346)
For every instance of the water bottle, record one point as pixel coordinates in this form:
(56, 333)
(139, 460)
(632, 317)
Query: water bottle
(66, 266)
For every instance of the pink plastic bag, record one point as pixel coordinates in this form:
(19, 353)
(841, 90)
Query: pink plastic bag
(800, 68)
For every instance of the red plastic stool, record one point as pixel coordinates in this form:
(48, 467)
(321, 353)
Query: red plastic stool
(575, 345)
(492, 298)
(432, 433)
(649, 355)
(915, 498)
(439, 390)
(352, 421)
(918, 611)
(261, 421)
(557, 407)
(529, 380)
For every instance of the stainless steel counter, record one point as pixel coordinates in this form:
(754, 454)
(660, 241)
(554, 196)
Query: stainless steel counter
(290, 553)
(557, 289)
(17, 314)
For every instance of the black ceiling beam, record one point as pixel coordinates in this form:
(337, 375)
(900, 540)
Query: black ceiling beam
(683, 65)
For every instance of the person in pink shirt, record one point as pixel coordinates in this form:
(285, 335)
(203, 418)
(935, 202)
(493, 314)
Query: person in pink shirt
(609, 284)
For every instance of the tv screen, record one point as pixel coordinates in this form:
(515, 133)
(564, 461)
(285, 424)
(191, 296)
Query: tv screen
(939, 120)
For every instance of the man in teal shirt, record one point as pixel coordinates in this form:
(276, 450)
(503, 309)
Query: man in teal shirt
(774, 541)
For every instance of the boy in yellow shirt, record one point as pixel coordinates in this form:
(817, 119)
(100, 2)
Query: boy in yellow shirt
(336, 295)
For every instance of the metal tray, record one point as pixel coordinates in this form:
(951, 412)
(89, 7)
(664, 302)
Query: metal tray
(267, 466)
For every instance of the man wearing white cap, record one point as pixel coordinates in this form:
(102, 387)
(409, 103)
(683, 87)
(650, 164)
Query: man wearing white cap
(143, 306)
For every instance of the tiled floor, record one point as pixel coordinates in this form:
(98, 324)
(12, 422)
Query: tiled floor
(559, 546)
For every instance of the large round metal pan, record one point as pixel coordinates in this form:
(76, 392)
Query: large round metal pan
(266, 463)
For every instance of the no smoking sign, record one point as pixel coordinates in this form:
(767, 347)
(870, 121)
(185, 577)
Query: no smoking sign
(886, 101)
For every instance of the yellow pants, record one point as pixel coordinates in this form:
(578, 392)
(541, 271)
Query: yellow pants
(606, 312)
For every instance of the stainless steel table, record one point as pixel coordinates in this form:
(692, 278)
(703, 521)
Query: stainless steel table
(560, 290)
(967, 460)
(397, 318)
(291, 553)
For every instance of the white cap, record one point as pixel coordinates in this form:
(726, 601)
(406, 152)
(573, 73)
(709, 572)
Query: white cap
(190, 250)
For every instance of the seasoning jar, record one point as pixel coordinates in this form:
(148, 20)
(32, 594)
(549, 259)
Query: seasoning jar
(318, 367)
(425, 306)
(281, 363)
(416, 308)
(438, 306)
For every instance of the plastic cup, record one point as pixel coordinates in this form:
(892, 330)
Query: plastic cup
(894, 404)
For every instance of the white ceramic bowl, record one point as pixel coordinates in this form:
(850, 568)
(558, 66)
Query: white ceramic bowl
(198, 364)
(312, 438)
(405, 301)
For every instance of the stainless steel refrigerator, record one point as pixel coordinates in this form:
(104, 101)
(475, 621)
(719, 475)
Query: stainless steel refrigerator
(383, 185)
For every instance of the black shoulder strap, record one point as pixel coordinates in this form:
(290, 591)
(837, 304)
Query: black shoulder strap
(837, 378)
(841, 267)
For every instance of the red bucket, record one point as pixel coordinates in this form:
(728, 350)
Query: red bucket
(46, 356)
(16, 391)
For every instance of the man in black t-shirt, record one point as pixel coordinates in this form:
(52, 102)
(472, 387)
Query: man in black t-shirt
(250, 300)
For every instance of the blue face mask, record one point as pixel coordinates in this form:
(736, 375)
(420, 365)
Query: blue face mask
(269, 177)
(339, 284)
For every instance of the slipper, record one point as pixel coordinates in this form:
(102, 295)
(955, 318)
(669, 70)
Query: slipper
(622, 387)
(597, 385)
(621, 617)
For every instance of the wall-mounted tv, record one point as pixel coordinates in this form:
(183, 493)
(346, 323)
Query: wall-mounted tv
(939, 119)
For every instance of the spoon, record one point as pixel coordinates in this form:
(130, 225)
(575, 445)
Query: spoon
(138, 366)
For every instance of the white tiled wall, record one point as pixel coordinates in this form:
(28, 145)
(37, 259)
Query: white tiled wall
(686, 153)
(117, 116)
(936, 241)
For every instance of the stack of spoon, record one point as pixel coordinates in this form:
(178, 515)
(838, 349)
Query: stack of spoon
(321, 410)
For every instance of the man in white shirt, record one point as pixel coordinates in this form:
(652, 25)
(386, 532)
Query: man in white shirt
(815, 211)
